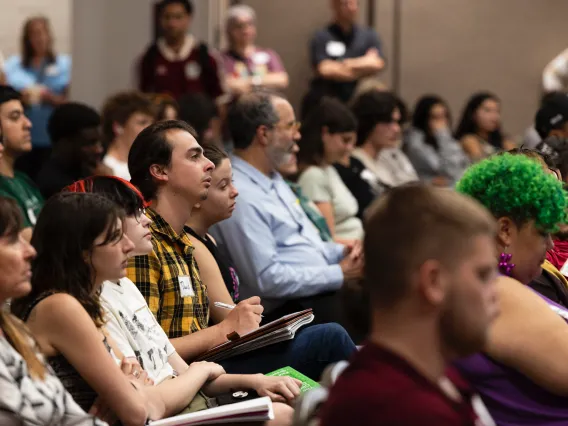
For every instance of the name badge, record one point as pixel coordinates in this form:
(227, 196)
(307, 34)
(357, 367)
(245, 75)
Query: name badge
(192, 70)
(335, 49)
(260, 58)
(52, 70)
(31, 216)
(185, 287)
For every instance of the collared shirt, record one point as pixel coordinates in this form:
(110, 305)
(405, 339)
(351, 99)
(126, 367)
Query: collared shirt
(169, 280)
(278, 253)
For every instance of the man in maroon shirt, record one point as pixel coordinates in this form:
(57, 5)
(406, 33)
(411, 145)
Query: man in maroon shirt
(430, 271)
(178, 63)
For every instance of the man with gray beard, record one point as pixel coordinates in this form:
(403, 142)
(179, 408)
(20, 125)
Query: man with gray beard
(277, 251)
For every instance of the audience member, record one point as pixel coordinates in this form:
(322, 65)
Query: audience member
(168, 166)
(167, 107)
(178, 63)
(43, 77)
(138, 334)
(124, 115)
(248, 66)
(30, 393)
(531, 138)
(479, 130)
(289, 171)
(555, 73)
(430, 145)
(344, 52)
(432, 299)
(80, 244)
(520, 374)
(551, 123)
(378, 139)
(329, 135)
(77, 149)
(278, 253)
(201, 113)
(16, 140)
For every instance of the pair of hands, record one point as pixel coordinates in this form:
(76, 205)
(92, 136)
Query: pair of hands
(132, 369)
(278, 389)
(353, 263)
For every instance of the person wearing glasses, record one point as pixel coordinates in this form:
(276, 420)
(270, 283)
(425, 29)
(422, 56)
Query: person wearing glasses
(248, 66)
(328, 135)
(271, 241)
(379, 120)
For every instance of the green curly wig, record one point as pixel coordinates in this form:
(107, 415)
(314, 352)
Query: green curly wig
(517, 187)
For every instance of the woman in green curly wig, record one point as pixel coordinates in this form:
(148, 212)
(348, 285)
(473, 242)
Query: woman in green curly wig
(528, 204)
(522, 374)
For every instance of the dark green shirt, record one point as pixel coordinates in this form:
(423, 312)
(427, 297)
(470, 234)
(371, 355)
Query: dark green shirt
(312, 212)
(27, 195)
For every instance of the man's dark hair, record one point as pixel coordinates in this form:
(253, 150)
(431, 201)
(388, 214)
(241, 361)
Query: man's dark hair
(8, 93)
(69, 119)
(187, 5)
(371, 108)
(247, 114)
(197, 109)
(120, 107)
(151, 147)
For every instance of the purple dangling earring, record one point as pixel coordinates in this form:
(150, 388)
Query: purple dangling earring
(505, 265)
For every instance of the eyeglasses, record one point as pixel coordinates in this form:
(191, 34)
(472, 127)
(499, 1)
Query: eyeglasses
(293, 125)
(139, 213)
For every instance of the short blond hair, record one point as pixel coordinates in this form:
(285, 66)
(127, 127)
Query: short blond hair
(412, 224)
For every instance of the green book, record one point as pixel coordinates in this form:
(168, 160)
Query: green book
(307, 383)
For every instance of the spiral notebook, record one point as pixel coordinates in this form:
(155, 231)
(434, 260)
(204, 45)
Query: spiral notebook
(255, 410)
(277, 331)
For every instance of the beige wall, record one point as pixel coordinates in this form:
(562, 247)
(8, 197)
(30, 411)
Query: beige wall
(450, 47)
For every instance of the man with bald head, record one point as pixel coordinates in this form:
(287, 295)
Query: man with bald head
(276, 249)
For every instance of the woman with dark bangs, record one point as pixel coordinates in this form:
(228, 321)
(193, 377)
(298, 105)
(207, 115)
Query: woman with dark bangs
(80, 243)
(30, 394)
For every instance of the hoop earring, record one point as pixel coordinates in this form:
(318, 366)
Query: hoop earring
(505, 264)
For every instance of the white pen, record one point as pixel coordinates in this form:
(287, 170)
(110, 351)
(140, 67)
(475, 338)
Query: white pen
(227, 306)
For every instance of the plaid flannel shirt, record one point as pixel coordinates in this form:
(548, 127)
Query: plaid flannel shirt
(157, 277)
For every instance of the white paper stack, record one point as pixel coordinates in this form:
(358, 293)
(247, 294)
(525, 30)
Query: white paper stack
(255, 410)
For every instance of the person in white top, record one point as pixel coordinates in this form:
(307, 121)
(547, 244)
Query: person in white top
(379, 136)
(329, 135)
(138, 334)
(124, 115)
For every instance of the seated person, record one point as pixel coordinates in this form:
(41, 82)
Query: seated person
(166, 107)
(77, 148)
(430, 303)
(328, 135)
(272, 243)
(379, 133)
(201, 113)
(248, 66)
(216, 269)
(30, 394)
(124, 115)
(168, 167)
(16, 139)
(430, 145)
(479, 130)
(521, 374)
(344, 53)
(136, 331)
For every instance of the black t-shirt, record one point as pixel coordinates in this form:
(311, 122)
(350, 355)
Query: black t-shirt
(332, 43)
(355, 177)
(228, 271)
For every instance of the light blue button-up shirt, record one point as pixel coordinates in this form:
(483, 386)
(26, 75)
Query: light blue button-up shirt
(277, 251)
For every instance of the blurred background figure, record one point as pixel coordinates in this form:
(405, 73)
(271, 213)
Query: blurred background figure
(202, 114)
(248, 66)
(479, 130)
(166, 107)
(43, 78)
(435, 154)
